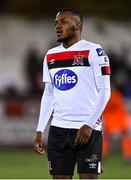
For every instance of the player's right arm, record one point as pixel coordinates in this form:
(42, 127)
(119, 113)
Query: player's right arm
(46, 109)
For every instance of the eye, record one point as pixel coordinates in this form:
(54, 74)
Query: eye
(56, 23)
(63, 22)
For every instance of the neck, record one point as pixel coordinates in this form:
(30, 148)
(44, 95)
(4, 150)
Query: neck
(70, 42)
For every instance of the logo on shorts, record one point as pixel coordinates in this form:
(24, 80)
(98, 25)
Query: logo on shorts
(49, 165)
(65, 79)
(93, 158)
(92, 165)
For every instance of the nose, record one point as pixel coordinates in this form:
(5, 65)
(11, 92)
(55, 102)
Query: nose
(58, 26)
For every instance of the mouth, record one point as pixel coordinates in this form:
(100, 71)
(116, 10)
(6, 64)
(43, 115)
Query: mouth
(59, 33)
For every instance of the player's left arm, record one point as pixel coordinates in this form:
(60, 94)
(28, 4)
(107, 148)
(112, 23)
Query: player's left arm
(101, 70)
(100, 65)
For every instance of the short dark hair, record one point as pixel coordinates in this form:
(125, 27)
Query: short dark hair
(75, 12)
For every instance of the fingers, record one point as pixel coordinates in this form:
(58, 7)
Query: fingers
(38, 148)
(85, 140)
(81, 138)
(37, 143)
(83, 135)
(78, 138)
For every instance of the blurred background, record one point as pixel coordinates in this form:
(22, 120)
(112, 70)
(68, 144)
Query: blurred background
(26, 33)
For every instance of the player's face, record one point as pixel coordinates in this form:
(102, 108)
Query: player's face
(65, 26)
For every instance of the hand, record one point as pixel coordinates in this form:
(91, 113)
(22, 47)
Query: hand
(37, 143)
(83, 135)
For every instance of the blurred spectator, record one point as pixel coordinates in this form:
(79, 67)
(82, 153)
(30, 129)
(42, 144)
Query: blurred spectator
(127, 87)
(33, 68)
(115, 115)
(121, 73)
(11, 89)
(2, 5)
(115, 121)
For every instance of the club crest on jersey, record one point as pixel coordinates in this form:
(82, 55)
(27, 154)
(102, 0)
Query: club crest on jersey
(65, 79)
(100, 52)
(78, 60)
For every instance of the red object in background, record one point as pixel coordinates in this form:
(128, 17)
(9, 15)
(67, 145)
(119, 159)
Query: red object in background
(105, 146)
(126, 148)
(115, 116)
(115, 122)
(14, 108)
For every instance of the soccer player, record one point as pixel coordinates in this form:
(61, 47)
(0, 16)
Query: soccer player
(77, 89)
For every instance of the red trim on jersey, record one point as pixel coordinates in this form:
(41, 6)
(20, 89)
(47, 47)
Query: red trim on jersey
(106, 70)
(66, 55)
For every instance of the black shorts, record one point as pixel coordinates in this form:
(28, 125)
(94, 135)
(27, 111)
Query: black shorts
(63, 154)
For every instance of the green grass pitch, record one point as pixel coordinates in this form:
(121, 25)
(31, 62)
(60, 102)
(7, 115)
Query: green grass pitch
(26, 164)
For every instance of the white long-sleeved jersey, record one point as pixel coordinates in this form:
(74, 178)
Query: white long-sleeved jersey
(79, 76)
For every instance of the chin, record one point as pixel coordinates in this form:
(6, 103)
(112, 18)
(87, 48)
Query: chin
(60, 40)
(65, 39)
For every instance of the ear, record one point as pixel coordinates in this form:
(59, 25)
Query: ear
(78, 26)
